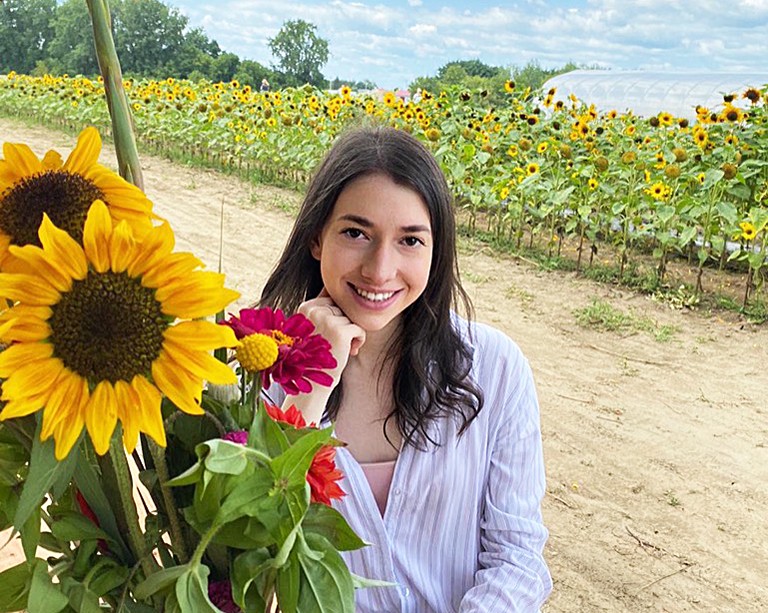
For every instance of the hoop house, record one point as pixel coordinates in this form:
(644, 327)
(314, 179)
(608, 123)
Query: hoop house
(649, 93)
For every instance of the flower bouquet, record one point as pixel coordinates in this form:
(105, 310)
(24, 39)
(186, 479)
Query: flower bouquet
(140, 466)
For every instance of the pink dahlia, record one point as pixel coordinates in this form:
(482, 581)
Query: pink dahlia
(303, 356)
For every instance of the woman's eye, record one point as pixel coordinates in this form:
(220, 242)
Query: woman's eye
(353, 232)
(412, 241)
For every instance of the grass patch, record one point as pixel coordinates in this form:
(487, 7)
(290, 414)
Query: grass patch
(601, 315)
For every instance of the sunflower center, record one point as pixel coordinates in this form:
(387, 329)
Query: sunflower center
(108, 327)
(64, 196)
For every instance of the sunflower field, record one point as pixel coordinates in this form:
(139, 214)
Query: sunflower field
(536, 172)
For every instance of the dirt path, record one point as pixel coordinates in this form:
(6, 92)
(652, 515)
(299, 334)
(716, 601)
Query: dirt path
(657, 452)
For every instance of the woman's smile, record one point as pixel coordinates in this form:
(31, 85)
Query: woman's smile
(375, 250)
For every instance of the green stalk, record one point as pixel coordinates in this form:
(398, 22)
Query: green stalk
(161, 468)
(126, 512)
(117, 99)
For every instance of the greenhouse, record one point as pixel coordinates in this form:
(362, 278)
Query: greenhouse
(649, 93)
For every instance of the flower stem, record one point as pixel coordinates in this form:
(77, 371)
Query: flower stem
(161, 468)
(127, 510)
(197, 556)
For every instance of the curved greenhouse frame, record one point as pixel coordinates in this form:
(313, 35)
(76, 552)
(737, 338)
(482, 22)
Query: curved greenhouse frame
(649, 93)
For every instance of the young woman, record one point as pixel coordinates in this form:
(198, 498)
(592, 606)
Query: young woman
(443, 465)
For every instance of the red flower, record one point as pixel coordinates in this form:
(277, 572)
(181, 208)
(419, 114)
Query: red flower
(323, 475)
(86, 510)
(302, 356)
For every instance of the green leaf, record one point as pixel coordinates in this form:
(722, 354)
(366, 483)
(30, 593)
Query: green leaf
(106, 576)
(192, 591)
(686, 236)
(288, 585)
(249, 497)
(329, 523)
(30, 535)
(265, 433)
(83, 600)
(13, 588)
(326, 582)
(361, 582)
(293, 464)
(90, 486)
(247, 579)
(44, 471)
(159, 581)
(75, 527)
(44, 595)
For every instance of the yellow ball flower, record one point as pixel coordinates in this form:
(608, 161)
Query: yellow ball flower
(256, 352)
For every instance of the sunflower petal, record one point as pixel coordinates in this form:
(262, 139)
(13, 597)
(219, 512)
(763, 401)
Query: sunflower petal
(200, 364)
(181, 389)
(201, 335)
(98, 228)
(30, 259)
(21, 354)
(21, 407)
(64, 249)
(64, 403)
(86, 152)
(149, 403)
(20, 162)
(198, 295)
(52, 160)
(33, 378)
(175, 266)
(154, 247)
(29, 289)
(101, 416)
(129, 413)
(121, 247)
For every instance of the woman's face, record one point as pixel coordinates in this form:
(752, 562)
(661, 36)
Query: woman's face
(375, 251)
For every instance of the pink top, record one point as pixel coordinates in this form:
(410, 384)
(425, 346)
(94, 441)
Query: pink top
(379, 476)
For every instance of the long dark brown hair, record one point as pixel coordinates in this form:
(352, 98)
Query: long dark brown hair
(431, 360)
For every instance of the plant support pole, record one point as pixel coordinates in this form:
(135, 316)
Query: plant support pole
(117, 100)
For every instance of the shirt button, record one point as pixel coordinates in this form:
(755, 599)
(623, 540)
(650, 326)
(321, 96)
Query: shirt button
(397, 492)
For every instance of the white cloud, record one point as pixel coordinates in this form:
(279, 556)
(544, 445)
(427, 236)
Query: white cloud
(420, 29)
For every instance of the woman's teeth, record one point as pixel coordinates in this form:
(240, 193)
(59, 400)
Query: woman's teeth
(374, 297)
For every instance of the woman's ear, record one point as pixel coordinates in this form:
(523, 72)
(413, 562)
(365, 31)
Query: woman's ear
(315, 248)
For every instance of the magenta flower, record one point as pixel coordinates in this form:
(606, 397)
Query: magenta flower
(303, 356)
(220, 594)
(237, 436)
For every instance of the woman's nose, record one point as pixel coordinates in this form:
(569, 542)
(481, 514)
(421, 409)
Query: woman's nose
(379, 265)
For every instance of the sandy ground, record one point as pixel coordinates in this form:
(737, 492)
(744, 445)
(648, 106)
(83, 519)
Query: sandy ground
(656, 452)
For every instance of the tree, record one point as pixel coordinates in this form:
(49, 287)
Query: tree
(196, 53)
(25, 33)
(148, 35)
(301, 53)
(251, 73)
(70, 50)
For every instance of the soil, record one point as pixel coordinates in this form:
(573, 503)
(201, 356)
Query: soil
(656, 450)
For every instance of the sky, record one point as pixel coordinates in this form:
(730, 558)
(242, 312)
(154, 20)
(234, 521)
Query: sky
(392, 43)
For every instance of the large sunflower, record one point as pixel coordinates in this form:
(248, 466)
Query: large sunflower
(30, 187)
(95, 334)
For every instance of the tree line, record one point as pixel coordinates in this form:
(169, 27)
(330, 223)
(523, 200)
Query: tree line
(154, 40)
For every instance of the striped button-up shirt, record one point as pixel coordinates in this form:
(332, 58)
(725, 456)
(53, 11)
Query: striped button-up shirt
(462, 530)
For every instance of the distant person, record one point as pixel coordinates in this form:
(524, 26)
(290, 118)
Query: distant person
(443, 460)
(264, 85)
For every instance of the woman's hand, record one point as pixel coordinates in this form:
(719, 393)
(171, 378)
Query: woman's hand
(345, 338)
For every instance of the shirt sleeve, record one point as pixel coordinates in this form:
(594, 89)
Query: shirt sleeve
(513, 576)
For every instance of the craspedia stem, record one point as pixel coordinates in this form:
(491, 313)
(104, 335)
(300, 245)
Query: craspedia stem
(117, 100)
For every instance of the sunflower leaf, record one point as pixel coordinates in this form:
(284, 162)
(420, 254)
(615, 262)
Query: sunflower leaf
(45, 472)
(293, 464)
(14, 588)
(44, 595)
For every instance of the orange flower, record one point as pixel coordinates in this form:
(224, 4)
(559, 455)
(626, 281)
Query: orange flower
(323, 475)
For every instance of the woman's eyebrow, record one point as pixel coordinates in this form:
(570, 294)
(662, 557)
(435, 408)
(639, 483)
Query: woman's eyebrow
(367, 223)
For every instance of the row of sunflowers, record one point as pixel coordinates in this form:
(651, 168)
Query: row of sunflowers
(537, 170)
(118, 359)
